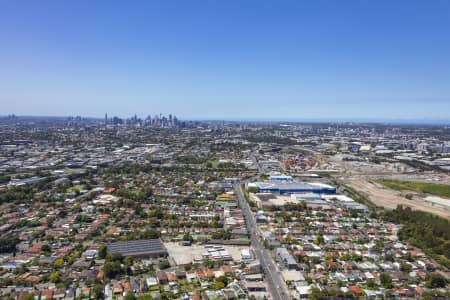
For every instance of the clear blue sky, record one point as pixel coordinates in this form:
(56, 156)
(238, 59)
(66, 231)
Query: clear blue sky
(223, 59)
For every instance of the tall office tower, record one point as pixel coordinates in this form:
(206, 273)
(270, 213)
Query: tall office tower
(148, 121)
(106, 118)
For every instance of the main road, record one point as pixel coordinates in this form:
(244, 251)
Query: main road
(277, 286)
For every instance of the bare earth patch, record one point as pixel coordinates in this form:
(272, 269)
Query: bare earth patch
(388, 198)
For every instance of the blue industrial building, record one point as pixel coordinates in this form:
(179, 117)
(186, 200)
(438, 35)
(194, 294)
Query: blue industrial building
(293, 187)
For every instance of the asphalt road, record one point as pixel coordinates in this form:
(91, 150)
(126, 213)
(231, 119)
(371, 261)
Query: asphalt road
(277, 287)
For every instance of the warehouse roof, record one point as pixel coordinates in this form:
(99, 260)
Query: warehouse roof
(292, 185)
(137, 248)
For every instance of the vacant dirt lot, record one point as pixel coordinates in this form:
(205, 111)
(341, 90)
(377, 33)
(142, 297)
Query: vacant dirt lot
(388, 198)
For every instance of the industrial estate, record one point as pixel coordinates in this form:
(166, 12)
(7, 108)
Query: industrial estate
(162, 208)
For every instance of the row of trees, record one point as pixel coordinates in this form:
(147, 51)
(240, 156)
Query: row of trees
(140, 195)
(424, 230)
(221, 235)
(22, 193)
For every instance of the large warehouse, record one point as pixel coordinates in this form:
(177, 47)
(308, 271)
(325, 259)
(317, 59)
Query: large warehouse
(139, 248)
(292, 187)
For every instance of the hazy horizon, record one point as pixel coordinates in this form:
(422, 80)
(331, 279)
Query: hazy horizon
(260, 120)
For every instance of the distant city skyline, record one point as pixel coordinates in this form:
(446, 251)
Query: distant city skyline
(396, 121)
(214, 60)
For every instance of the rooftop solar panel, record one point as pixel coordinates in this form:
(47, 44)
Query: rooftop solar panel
(137, 248)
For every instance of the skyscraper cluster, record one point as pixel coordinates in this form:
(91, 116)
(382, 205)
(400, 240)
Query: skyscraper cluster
(157, 121)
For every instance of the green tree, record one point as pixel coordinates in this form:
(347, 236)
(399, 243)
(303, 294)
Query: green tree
(58, 263)
(386, 280)
(371, 284)
(29, 296)
(316, 294)
(208, 263)
(356, 257)
(130, 296)
(435, 280)
(164, 264)
(405, 267)
(187, 237)
(97, 291)
(219, 285)
(128, 263)
(223, 279)
(112, 269)
(46, 249)
(102, 251)
(8, 244)
(54, 277)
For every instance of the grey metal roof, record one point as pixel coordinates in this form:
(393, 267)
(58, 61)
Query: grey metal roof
(137, 247)
(292, 185)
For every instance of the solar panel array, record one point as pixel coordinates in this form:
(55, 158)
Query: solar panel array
(137, 247)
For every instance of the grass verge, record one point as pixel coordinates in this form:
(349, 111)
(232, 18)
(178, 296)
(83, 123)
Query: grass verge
(436, 189)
